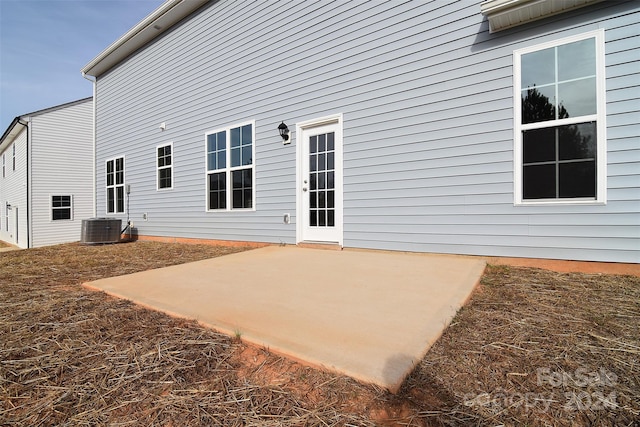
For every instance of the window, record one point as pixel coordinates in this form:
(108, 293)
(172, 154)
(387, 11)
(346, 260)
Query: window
(60, 207)
(115, 185)
(3, 166)
(164, 166)
(559, 129)
(230, 168)
(14, 157)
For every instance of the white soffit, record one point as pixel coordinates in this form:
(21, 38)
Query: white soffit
(160, 20)
(505, 14)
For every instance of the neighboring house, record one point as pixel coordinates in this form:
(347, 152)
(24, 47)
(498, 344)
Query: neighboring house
(413, 126)
(46, 182)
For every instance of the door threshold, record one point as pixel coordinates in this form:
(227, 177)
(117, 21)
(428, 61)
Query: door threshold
(320, 245)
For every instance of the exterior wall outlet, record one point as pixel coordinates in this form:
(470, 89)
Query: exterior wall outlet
(144, 216)
(287, 218)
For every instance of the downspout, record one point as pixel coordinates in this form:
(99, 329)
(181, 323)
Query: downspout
(93, 136)
(26, 126)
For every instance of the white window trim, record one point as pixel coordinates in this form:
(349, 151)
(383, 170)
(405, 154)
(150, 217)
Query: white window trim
(51, 207)
(228, 169)
(124, 186)
(164, 167)
(599, 117)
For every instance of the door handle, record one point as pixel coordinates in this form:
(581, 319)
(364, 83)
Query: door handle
(304, 188)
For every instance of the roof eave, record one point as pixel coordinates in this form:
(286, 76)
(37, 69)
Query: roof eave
(11, 133)
(503, 14)
(160, 20)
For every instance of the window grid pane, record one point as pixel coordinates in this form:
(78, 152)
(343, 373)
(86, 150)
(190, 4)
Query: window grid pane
(559, 83)
(235, 179)
(115, 185)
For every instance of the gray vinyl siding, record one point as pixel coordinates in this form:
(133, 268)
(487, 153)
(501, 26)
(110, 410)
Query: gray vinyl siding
(427, 99)
(13, 190)
(62, 164)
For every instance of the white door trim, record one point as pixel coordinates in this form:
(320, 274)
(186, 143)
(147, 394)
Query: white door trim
(301, 127)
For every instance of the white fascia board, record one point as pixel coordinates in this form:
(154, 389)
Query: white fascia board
(11, 133)
(160, 20)
(503, 14)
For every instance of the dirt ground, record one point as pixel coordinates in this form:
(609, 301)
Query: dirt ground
(532, 347)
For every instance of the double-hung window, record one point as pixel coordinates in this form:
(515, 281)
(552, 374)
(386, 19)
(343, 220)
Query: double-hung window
(559, 121)
(230, 168)
(60, 208)
(115, 185)
(164, 163)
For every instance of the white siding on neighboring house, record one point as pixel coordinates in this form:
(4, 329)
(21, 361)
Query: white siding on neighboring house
(54, 157)
(62, 165)
(426, 97)
(13, 191)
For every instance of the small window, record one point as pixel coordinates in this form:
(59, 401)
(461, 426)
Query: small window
(60, 208)
(164, 164)
(14, 157)
(560, 139)
(4, 174)
(230, 168)
(115, 185)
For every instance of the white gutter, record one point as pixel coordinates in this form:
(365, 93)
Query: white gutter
(160, 20)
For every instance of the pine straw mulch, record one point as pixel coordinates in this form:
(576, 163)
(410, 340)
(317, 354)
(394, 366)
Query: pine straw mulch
(532, 347)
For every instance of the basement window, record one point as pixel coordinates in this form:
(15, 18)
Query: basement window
(61, 208)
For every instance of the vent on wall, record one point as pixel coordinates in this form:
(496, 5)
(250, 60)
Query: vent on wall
(100, 230)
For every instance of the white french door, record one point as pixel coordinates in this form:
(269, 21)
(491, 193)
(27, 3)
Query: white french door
(320, 189)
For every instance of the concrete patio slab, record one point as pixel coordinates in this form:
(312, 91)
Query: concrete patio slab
(370, 315)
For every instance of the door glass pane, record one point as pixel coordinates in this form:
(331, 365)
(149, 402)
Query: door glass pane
(313, 181)
(313, 218)
(330, 199)
(330, 141)
(321, 218)
(331, 218)
(313, 144)
(313, 199)
(322, 143)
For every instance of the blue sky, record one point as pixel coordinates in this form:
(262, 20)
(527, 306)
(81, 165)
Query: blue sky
(45, 43)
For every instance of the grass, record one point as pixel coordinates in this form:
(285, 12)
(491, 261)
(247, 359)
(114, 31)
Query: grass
(532, 347)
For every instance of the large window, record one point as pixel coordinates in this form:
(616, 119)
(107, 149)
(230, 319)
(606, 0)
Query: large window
(60, 208)
(230, 168)
(559, 138)
(115, 185)
(164, 165)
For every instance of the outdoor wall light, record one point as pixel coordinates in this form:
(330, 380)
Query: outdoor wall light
(284, 133)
